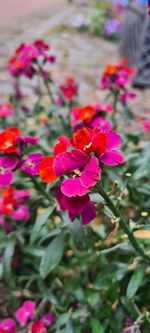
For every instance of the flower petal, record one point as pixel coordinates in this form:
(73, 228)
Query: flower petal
(46, 169)
(114, 140)
(74, 205)
(88, 214)
(73, 187)
(67, 162)
(6, 178)
(112, 158)
(91, 174)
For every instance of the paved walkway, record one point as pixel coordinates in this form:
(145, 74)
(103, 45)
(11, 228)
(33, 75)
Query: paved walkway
(79, 54)
(11, 9)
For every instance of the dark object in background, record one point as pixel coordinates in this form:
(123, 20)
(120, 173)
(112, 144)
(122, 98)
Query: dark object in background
(142, 78)
(132, 33)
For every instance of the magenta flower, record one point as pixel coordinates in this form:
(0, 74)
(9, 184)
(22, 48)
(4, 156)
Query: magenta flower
(67, 162)
(8, 326)
(29, 139)
(7, 165)
(21, 213)
(127, 95)
(31, 164)
(26, 312)
(101, 123)
(48, 319)
(77, 205)
(28, 54)
(112, 157)
(21, 195)
(82, 181)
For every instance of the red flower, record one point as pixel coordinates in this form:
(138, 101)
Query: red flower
(86, 113)
(41, 45)
(46, 170)
(38, 327)
(8, 205)
(90, 141)
(62, 146)
(69, 88)
(8, 140)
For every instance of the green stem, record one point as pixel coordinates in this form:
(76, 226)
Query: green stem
(49, 91)
(46, 82)
(115, 101)
(123, 223)
(40, 188)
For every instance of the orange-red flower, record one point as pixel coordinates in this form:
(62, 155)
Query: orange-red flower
(86, 113)
(8, 140)
(46, 170)
(90, 141)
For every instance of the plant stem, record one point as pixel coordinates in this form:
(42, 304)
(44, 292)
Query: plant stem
(115, 101)
(123, 223)
(49, 91)
(46, 83)
(40, 188)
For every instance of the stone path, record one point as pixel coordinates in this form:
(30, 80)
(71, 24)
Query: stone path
(79, 54)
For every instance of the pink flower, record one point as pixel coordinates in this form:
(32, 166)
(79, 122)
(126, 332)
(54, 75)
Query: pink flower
(48, 319)
(146, 124)
(8, 326)
(7, 165)
(6, 110)
(31, 164)
(101, 123)
(21, 213)
(26, 312)
(82, 183)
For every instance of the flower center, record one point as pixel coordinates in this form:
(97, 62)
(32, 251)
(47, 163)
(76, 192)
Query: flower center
(87, 146)
(30, 164)
(2, 170)
(7, 144)
(77, 172)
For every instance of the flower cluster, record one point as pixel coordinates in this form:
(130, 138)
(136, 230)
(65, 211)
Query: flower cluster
(26, 317)
(12, 206)
(91, 116)
(12, 148)
(116, 79)
(79, 160)
(28, 58)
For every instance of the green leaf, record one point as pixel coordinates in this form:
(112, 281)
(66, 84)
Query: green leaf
(135, 282)
(52, 256)
(69, 327)
(96, 326)
(8, 254)
(40, 221)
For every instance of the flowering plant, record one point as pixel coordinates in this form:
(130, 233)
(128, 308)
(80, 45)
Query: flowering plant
(74, 236)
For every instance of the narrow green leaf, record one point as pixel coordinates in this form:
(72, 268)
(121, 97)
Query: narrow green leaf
(40, 221)
(69, 327)
(135, 282)
(52, 256)
(8, 254)
(96, 326)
